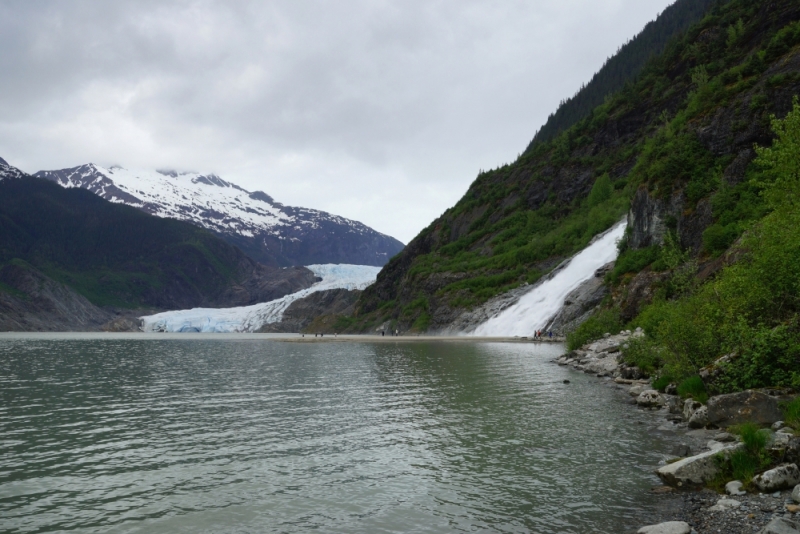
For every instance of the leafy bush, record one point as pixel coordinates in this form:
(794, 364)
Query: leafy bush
(662, 382)
(642, 353)
(693, 387)
(606, 321)
(601, 191)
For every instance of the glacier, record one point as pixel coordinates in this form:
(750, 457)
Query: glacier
(251, 318)
(537, 307)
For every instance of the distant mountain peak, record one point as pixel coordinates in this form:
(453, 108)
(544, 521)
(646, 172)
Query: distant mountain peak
(266, 230)
(9, 171)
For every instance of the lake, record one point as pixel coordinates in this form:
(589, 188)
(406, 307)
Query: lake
(227, 433)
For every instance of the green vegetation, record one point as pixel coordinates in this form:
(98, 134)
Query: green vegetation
(791, 413)
(670, 131)
(624, 66)
(752, 309)
(693, 387)
(605, 322)
(112, 254)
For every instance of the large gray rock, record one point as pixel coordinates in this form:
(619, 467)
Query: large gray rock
(742, 407)
(670, 527)
(796, 494)
(649, 398)
(695, 470)
(603, 366)
(781, 525)
(699, 418)
(792, 452)
(734, 487)
(777, 479)
(689, 407)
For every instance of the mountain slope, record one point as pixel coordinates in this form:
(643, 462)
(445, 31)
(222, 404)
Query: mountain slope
(674, 146)
(267, 231)
(115, 255)
(624, 66)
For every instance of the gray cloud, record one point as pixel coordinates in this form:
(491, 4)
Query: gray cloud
(379, 111)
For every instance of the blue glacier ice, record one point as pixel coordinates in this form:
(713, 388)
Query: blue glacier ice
(251, 318)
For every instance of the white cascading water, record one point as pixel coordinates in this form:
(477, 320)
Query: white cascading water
(535, 309)
(251, 318)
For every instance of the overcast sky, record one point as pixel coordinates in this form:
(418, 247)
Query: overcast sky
(380, 111)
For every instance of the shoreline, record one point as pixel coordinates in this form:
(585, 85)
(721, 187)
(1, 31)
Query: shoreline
(282, 338)
(699, 507)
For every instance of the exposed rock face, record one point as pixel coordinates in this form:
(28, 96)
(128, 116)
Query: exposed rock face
(40, 304)
(785, 476)
(580, 304)
(742, 407)
(699, 418)
(303, 312)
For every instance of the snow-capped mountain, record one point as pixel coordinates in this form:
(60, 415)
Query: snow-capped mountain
(266, 230)
(7, 171)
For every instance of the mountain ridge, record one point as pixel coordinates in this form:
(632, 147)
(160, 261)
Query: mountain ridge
(267, 231)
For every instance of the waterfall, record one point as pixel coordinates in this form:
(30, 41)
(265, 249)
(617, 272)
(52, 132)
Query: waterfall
(537, 307)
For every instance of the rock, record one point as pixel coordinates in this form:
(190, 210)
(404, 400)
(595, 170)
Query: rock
(742, 407)
(635, 391)
(671, 389)
(699, 418)
(695, 470)
(779, 478)
(780, 440)
(681, 450)
(793, 508)
(734, 487)
(781, 525)
(792, 452)
(725, 504)
(715, 445)
(604, 365)
(796, 494)
(566, 381)
(670, 527)
(649, 398)
(778, 425)
(724, 437)
(689, 407)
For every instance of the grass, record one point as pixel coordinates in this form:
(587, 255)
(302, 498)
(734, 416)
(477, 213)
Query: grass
(791, 413)
(662, 382)
(693, 387)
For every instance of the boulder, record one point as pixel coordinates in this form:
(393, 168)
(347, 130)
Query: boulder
(724, 437)
(734, 487)
(670, 527)
(695, 470)
(605, 365)
(792, 451)
(778, 425)
(673, 403)
(781, 525)
(725, 504)
(635, 391)
(777, 479)
(649, 398)
(699, 418)
(689, 407)
(742, 407)
(796, 493)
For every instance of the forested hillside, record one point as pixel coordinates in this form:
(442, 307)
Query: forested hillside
(116, 255)
(675, 147)
(624, 66)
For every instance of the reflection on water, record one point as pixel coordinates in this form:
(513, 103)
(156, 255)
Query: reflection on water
(188, 435)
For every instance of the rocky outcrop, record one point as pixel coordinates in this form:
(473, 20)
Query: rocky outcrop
(742, 407)
(33, 302)
(304, 312)
(580, 303)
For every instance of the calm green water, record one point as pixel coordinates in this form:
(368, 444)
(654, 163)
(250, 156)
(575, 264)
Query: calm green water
(192, 434)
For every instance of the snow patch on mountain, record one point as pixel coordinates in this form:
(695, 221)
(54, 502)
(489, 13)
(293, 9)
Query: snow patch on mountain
(9, 171)
(251, 318)
(267, 230)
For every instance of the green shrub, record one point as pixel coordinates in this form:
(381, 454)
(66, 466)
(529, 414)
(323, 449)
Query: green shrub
(642, 353)
(693, 387)
(791, 413)
(601, 191)
(606, 321)
(744, 466)
(662, 382)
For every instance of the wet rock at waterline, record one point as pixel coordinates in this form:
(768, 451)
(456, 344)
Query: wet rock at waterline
(670, 527)
(695, 470)
(699, 418)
